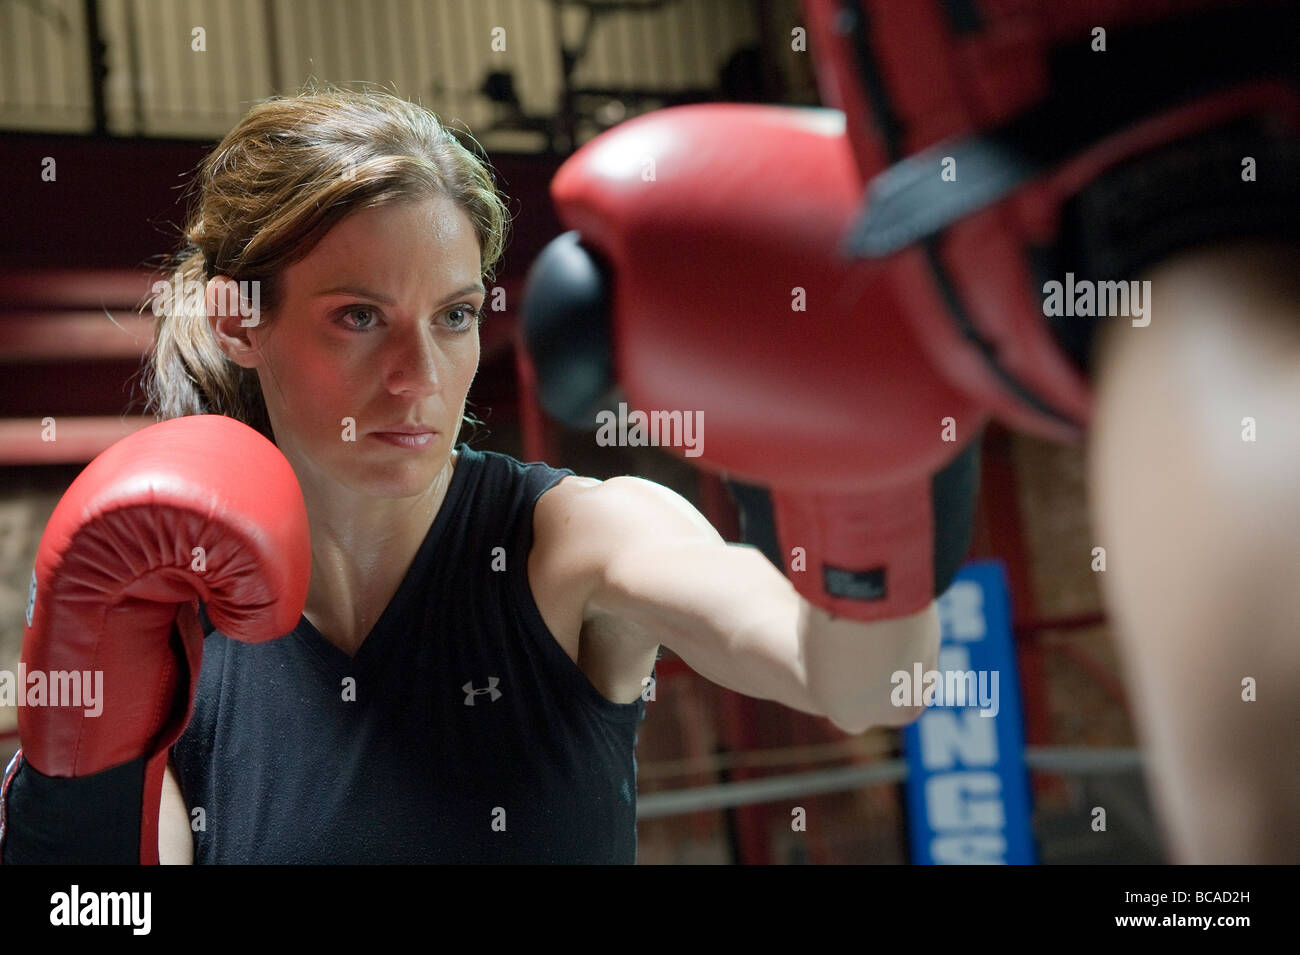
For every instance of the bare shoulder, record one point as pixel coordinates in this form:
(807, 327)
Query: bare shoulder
(578, 527)
(616, 506)
(582, 525)
(564, 564)
(562, 521)
(569, 553)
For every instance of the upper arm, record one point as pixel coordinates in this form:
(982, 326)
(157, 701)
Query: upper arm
(658, 564)
(175, 840)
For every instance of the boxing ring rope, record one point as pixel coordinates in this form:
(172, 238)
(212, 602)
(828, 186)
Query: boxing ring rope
(1063, 760)
(879, 748)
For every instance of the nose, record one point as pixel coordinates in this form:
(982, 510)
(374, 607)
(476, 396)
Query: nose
(412, 365)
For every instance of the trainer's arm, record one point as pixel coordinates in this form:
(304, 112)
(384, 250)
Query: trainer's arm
(1201, 522)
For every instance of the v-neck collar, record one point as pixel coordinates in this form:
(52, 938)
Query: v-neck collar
(373, 649)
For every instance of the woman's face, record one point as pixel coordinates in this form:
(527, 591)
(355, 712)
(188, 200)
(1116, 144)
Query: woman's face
(376, 331)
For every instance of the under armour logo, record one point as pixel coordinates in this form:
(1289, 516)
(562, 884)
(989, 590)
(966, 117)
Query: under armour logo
(491, 690)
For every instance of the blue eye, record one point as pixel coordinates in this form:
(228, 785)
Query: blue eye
(368, 320)
(363, 310)
(474, 317)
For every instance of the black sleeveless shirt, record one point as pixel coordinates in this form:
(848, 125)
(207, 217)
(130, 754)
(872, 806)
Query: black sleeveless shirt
(461, 732)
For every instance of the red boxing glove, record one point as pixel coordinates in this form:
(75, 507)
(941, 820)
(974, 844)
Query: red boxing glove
(200, 508)
(721, 227)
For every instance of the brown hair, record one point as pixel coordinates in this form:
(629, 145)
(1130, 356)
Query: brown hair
(288, 172)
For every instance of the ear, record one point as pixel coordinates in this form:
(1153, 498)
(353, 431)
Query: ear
(234, 314)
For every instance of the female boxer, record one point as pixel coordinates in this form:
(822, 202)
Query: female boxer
(467, 678)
